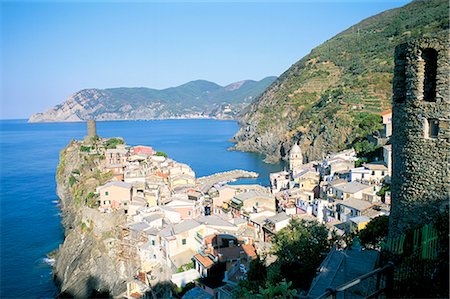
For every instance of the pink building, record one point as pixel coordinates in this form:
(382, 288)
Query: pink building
(225, 194)
(142, 149)
(115, 195)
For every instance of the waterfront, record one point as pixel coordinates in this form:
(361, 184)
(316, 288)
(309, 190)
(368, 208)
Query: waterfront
(30, 221)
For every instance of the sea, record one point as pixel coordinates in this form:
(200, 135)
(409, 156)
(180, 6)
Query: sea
(30, 223)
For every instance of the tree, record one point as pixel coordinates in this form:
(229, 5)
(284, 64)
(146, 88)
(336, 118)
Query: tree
(281, 290)
(374, 233)
(300, 248)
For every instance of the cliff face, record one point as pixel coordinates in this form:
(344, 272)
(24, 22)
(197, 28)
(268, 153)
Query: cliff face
(87, 261)
(195, 99)
(330, 98)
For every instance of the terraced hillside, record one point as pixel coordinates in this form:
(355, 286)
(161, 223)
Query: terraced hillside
(331, 98)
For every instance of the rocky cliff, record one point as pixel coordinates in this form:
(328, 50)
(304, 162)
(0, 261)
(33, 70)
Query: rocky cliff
(196, 99)
(331, 99)
(87, 263)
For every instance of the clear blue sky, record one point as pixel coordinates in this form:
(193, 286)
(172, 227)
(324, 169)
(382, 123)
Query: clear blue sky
(50, 50)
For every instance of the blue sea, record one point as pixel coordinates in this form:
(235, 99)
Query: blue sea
(30, 218)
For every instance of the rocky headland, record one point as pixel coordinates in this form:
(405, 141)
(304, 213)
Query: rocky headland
(195, 99)
(91, 261)
(87, 262)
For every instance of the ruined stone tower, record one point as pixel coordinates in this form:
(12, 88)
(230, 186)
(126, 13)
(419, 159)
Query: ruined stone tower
(420, 139)
(92, 128)
(92, 132)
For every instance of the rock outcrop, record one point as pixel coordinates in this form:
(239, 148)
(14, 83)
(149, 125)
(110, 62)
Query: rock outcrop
(332, 98)
(87, 262)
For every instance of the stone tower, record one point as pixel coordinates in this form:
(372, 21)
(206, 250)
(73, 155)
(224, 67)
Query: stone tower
(421, 135)
(295, 159)
(92, 128)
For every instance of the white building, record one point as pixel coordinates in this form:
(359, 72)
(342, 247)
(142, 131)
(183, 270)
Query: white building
(295, 159)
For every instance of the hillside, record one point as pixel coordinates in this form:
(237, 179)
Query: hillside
(330, 98)
(194, 99)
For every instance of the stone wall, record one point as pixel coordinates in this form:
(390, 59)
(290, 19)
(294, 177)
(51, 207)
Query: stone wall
(420, 139)
(92, 128)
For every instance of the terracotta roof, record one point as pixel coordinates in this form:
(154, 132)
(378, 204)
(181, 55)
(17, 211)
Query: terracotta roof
(204, 260)
(162, 175)
(209, 239)
(249, 250)
(136, 295)
(142, 277)
(386, 112)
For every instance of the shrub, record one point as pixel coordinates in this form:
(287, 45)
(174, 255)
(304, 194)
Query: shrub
(86, 149)
(113, 142)
(161, 154)
(72, 180)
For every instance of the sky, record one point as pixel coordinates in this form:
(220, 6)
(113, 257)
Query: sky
(50, 50)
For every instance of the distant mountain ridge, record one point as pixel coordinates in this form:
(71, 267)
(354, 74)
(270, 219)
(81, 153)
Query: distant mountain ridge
(330, 99)
(195, 99)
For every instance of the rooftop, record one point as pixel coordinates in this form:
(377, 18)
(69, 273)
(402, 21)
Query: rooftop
(279, 217)
(116, 184)
(214, 220)
(203, 259)
(379, 165)
(252, 194)
(357, 204)
(340, 267)
(185, 226)
(352, 187)
(360, 219)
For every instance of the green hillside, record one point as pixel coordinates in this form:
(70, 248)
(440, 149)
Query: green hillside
(198, 98)
(330, 97)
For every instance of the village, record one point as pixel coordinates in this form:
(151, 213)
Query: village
(180, 228)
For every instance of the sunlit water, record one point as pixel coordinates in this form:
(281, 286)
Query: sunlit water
(30, 219)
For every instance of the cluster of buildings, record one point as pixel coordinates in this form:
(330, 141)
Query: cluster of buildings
(179, 228)
(182, 229)
(335, 191)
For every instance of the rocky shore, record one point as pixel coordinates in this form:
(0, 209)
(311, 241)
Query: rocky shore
(86, 263)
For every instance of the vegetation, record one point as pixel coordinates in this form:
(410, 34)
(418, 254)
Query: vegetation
(186, 267)
(181, 291)
(72, 180)
(85, 148)
(92, 200)
(382, 192)
(300, 248)
(374, 233)
(334, 95)
(269, 291)
(112, 143)
(161, 154)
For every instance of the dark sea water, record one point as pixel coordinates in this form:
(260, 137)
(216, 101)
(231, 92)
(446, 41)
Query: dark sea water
(30, 219)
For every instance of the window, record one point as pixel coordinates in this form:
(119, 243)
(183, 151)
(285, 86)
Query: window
(382, 173)
(429, 82)
(153, 242)
(189, 213)
(432, 128)
(106, 193)
(183, 242)
(373, 172)
(124, 203)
